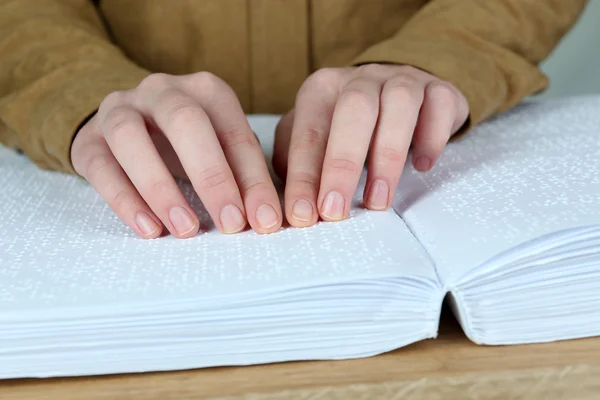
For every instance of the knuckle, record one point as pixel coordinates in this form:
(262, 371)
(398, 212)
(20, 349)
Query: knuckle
(359, 101)
(95, 165)
(432, 144)
(410, 70)
(182, 111)
(403, 80)
(442, 92)
(308, 179)
(154, 81)
(117, 124)
(370, 69)
(234, 137)
(119, 203)
(327, 79)
(403, 88)
(213, 177)
(389, 155)
(343, 164)
(207, 81)
(112, 100)
(254, 184)
(325, 76)
(308, 139)
(158, 188)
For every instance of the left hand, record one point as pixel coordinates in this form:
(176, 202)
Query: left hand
(343, 114)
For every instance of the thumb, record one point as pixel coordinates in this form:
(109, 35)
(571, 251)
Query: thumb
(283, 135)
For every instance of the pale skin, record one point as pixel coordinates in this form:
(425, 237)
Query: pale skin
(193, 127)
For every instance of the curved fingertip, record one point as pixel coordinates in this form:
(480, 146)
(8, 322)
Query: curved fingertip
(147, 226)
(267, 218)
(185, 223)
(262, 205)
(425, 155)
(232, 219)
(428, 143)
(300, 199)
(333, 207)
(302, 213)
(377, 195)
(422, 163)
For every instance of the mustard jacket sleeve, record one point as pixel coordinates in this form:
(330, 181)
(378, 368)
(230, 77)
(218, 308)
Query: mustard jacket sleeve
(489, 49)
(56, 66)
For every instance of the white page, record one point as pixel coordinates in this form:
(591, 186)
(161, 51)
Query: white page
(62, 247)
(529, 173)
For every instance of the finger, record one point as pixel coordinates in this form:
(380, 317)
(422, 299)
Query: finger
(315, 105)
(190, 132)
(166, 151)
(435, 125)
(241, 150)
(125, 132)
(106, 176)
(401, 99)
(354, 121)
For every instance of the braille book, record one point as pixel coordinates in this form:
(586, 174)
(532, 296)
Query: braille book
(506, 227)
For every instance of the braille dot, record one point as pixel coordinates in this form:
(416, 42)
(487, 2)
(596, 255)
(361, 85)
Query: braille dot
(531, 172)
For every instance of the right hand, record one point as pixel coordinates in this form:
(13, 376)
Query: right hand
(191, 127)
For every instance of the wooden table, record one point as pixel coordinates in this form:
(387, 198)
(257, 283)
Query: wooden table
(450, 367)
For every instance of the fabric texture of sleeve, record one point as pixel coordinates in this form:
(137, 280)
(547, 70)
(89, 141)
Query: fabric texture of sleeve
(489, 49)
(57, 64)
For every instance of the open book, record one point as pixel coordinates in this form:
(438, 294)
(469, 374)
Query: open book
(507, 225)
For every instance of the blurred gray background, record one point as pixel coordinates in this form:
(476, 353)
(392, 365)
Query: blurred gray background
(574, 67)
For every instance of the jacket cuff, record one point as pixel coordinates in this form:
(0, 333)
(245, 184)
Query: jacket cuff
(64, 108)
(486, 87)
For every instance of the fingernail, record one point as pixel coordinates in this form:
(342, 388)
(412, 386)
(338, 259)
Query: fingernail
(333, 206)
(266, 216)
(182, 220)
(380, 193)
(302, 210)
(146, 224)
(232, 219)
(422, 163)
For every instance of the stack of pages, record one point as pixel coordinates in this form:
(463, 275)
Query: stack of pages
(507, 224)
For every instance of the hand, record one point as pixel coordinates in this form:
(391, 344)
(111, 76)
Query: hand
(189, 126)
(343, 114)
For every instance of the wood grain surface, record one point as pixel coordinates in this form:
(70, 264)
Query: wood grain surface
(449, 367)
